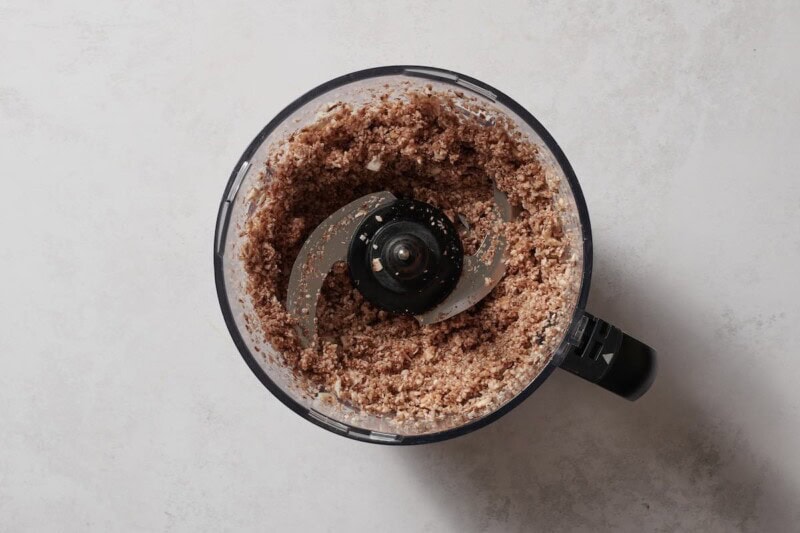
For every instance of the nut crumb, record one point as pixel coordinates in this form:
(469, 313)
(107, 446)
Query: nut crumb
(387, 365)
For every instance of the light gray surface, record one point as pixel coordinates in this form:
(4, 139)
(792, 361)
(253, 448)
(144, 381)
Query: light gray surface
(124, 405)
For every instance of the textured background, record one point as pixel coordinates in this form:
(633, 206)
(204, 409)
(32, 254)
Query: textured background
(124, 404)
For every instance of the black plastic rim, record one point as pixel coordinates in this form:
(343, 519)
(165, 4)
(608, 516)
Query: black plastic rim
(469, 84)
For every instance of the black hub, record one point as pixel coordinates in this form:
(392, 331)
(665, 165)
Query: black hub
(406, 257)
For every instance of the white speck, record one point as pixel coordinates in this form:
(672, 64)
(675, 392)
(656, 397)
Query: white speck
(379, 218)
(374, 246)
(374, 164)
(363, 236)
(376, 265)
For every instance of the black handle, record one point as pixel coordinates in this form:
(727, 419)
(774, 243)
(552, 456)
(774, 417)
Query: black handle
(604, 355)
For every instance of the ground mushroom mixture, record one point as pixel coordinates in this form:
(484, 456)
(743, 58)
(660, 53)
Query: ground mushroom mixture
(432, 147)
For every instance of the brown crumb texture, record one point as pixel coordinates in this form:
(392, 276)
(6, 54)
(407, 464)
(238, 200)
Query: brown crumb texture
(423, 146)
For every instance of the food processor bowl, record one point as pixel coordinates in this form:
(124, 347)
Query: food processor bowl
(589, 347)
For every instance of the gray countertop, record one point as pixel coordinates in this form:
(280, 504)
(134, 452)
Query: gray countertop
(125, 406)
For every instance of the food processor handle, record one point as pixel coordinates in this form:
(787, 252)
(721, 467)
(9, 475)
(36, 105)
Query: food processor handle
(606, 356)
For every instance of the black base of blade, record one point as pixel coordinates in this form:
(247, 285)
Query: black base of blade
(406, 257)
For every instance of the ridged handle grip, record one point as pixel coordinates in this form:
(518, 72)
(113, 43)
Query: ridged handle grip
(610, 358)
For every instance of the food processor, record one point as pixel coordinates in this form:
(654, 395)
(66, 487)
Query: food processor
(405, 256)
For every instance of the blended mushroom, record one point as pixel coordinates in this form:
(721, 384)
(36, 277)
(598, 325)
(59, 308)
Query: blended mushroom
(432, 147)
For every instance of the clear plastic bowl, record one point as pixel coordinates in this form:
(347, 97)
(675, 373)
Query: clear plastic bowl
(357, 89)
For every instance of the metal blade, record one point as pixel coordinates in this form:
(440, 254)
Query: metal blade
(326, 245)
(481, 272)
